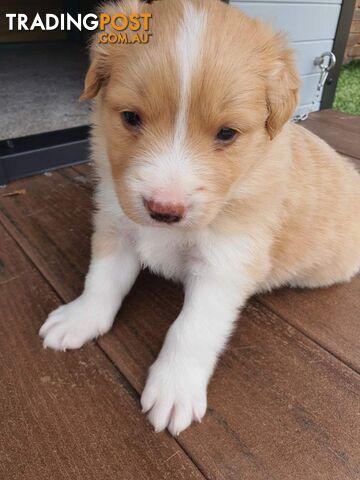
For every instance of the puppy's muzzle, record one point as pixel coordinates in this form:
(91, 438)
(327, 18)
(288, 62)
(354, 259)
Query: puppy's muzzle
(166, 213)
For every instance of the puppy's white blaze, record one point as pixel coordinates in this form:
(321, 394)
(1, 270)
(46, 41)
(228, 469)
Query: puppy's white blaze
(188, 48)
(169, 176)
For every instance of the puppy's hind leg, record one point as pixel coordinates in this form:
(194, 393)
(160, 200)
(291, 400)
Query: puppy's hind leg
(113, 270)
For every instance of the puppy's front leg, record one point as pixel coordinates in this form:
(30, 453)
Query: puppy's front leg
(175, 391)
(113, 270)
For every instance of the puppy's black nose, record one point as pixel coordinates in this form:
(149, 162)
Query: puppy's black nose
(166, 213)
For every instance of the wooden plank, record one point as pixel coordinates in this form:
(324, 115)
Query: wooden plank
(48, 214)
(330, 316)
(67, 416)
(340, 130)
(279, 406)
(83, 169)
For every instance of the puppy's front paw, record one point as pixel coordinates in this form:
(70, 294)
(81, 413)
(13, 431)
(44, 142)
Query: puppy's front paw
(174, 396)
(72, 325)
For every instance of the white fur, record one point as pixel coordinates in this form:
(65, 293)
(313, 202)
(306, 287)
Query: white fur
(92, 314)
(188, 49)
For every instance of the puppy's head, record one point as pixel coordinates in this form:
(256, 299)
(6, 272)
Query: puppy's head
(187, 116)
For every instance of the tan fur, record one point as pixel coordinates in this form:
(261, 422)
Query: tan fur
(288, 188)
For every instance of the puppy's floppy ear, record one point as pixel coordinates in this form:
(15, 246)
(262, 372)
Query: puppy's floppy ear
(282, 93)
(101, 53)
(99, 70)
(93, 81)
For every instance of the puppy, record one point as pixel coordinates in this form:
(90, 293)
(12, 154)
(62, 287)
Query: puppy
(203, 180)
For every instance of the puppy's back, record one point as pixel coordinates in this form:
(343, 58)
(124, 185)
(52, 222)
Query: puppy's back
(320, 236)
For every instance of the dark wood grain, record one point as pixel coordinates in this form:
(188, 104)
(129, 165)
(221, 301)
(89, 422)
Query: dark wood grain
(330, 316)
(340, 130)
(84, 170)
(67, 416)
(83, 174)
(48, 214)
(279, 406)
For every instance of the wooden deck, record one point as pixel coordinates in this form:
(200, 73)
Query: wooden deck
(285, 400)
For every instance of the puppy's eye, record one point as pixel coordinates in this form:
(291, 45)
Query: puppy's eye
(226, 134)
(131, 119)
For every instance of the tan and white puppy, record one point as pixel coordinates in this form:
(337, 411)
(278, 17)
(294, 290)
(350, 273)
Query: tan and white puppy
(203, 180)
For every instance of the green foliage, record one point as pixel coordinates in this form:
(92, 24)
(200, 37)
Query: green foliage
(348, 89)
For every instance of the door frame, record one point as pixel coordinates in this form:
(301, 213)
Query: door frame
(339, 47)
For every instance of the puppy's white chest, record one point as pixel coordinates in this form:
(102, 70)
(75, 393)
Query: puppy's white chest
(164, 252)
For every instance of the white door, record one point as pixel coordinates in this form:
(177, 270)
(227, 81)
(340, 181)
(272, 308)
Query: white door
(311, 27)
